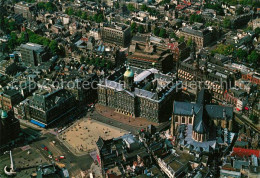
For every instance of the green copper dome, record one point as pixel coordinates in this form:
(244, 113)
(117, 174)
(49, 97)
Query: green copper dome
(128, 73)
(4, 114)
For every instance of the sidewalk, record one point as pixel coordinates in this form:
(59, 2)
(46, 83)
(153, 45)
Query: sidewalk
(29, 124)
(111, 114)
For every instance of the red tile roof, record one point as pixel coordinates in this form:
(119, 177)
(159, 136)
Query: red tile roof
(241, 152)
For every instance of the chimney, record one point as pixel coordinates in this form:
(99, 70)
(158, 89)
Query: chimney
(224, 113)
(192, 110)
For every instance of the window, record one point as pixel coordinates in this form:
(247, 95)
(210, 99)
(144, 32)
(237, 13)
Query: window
(183, 120)
(176, 118)
(190, 120)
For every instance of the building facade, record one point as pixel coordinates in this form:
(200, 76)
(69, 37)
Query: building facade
(45, 107)
(119, 34)
(212, 76)
(143, 53)
(10, 98)
(139, 93)
(33, 54)
(25, 9)
(202, 37)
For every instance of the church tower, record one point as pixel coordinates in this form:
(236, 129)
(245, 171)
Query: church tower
(129, 79)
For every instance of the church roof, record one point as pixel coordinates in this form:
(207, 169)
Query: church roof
(203, 111)
(200, 122)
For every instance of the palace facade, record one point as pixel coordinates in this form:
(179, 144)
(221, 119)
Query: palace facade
(139, 93)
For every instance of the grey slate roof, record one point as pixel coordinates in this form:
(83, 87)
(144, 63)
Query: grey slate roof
(203, 111)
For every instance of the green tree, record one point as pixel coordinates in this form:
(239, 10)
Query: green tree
(217, 7)
(78, 13)
(241, 54)
(102, 63)
(226, 23)
(254, 119)
(173, 35)
(240, 10)
(82, 59)
(196, 18)
(133, 27)
(143, 7)
(189, 42)
(69, 11)
(140, 29)
(12, 26)
(54, 46)
(257, 31)
(156, 31)
(84, 16)
(181, 39)
(100, 18)
(162, 33)
(117, 5)
(13, 41)
(131, 7)
(253, 58)
(97, 62)
(224, 49)
(109, 65)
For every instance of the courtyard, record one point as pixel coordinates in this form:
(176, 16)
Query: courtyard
(82, 135)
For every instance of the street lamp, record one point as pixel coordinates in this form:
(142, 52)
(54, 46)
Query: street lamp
(10, 171)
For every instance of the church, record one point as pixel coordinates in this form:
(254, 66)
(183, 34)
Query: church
(201, 124)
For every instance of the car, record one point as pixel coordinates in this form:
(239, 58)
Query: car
(50, 156)
(42, 145)
(62, 157)
(45, 148)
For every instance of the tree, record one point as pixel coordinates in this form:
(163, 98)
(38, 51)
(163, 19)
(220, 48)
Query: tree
(82, 59)
(226, 23)
(69, 11)
(181, 39)
(141, 29)
(156, 31)
(84, 16)
(253, 58)
(54, 46)
(254, 119)
(143, 7)
(257, 31)
(100, 18)
(133, 27)
(97, 62)
(117, 5)
(103, 63)
(109, 65)
(13, 41)
(241, 54)
(130, 7)
(224, 49)
(12, 26)
(162, 33)
(78, 13)
(240, 10)
(173, 35)
(196, 18)
(217, 7)
(189, 42)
